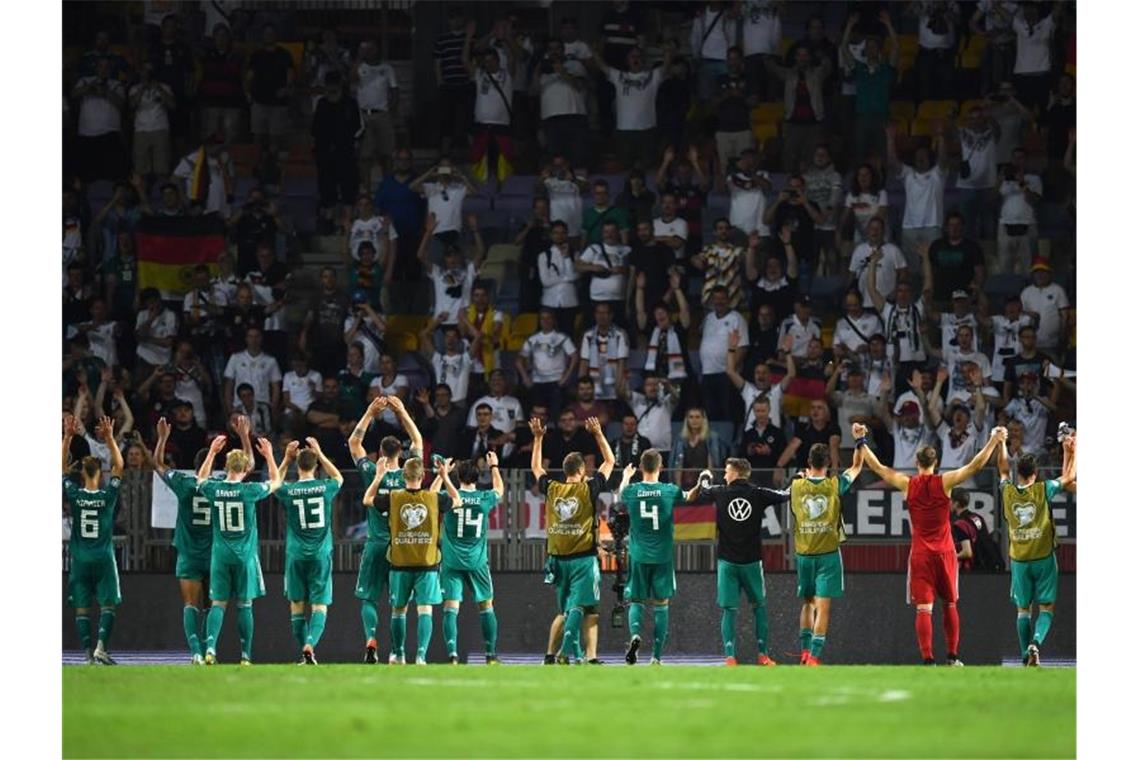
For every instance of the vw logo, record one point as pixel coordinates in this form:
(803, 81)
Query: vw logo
(740, 509)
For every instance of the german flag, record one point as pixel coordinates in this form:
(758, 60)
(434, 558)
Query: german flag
(799, 395)
(694, 522)
(169, 247)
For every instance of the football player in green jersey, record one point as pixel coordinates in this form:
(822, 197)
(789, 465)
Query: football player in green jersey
(372, 578)
(818, 532)
(193, 534)
(308, 504)
(651, 576)
(1033, 541)
(235, 568)
(465, 563)
(94, 575)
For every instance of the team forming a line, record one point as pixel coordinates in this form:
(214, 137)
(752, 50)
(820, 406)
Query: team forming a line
(429, 544)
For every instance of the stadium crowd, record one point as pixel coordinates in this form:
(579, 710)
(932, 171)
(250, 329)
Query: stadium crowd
(735, 240)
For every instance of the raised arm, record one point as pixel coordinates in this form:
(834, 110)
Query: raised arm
(409, 425)
(538, 430)
(704, 480)
(276, 475)
(106, 430)
(356, 438)
(70, 430)
(730, 360)
(373, 487)
(445, 473)
(594, 427)
(162, 427)
(288, 456)
(626, 476)
(895, 479)
(326, 463)
(1069, 463)
(975, 465)
(877, 299)
(207, 467)
(243, 426)
(496, 476)
(1003, 461)
(858, 430)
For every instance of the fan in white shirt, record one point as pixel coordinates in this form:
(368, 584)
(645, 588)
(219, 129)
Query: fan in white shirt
(889, 264)
(444, 186)
(564, 188)
(798, 329)
(556, 271)
(636, 90)
(547, 356)
(761, 385)
(607, 263)
(299, 388)
(255, 367)
(604, 353)
(155, 329)
(454, 279)
(958, 356)
(746, 187)
(959, 436)
(1047, 302)
(388, 383)
(375, 229)
(1006, 329)
(454, 366)
(653, 408)
(854, 329)
(669, 228)
(1032, 410)
(961, 314)
(506, 411)
(908, 425)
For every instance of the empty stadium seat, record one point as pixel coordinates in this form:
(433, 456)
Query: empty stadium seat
(764, 132)
(1000, 286)
(902, 109)
(935, 109)
(503, 252)
(767, 113)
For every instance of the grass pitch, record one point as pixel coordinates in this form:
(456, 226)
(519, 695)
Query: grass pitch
(533, 711)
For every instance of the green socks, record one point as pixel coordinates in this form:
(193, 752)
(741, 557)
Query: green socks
(728, 630)
(572, 632)
(190, 615)
(214, 627)
(370, 616)
(317, 626)
(1044, 622)
(760, 615)
(1024, 631)
(660, 628)
(817, 643)
(245, 629)
(805, 639)
(635, 613)
(423, 635)
(107, 624)
(83, 626)
(451, 629)
(490, 625)
(399, 630)
(300, 634)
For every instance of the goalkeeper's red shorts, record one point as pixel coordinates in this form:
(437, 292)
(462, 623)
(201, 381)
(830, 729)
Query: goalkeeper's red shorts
(932, 575)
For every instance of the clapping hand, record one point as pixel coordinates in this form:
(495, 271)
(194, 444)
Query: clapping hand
(162, 427)
(218, 444)
(265, 448)
(70, 425)
(291, 450)
(537, 428)
(105, 429)
(314, 445)
(593, 426)
(492, 459)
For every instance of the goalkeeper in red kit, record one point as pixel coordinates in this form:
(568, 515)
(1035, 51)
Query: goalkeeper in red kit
(933, 565)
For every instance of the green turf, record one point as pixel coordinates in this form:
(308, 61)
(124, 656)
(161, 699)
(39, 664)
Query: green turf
(531, 711)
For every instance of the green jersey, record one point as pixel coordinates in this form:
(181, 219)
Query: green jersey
(92, 519)
(235, 515)
(650, 508)
(1030, 518)
(192, 531)
(308, 517)
(393, 480)
(465, 530)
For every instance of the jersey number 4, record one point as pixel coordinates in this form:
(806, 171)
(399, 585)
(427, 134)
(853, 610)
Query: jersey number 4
(313, 517)
(650, 514)
(464, 517)
(231, 516)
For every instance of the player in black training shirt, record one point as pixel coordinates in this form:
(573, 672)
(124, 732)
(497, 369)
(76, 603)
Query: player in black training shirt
(739, 518)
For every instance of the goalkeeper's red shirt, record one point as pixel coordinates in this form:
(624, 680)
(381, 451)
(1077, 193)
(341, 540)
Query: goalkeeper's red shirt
(929, 508)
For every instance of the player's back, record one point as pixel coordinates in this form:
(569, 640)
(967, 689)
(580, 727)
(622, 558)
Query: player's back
(929, 509)
(308, 516)
(92, 519)
(650, 507)
(465, 529)
(378, 528)
(193, 531)
(235, 515)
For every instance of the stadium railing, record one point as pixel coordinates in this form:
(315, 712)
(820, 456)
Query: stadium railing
(874, 516)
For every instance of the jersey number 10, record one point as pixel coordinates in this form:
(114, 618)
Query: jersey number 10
(463, 516)
(231, 516)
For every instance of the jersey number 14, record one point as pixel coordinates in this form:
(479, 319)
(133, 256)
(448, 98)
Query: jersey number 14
(464, 517)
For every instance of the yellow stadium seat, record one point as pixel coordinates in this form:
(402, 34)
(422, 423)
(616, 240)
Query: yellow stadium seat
(521, 328)
(785, 45)
(764, 132)
(923, 127)
(402, 341)
(935, 109)
(406, 323)
(902, 109)
(767, 113)
(902, 127)
(971, 55)
(827, 334)
(503, 252)
(908, 43)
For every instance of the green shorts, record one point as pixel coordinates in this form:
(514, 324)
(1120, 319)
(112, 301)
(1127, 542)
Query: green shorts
(731, 578)
(231, 578)
(308, 579)
(819, 575)
(192, 566)
(577, 582)
(93, 579)
(420, 585)
(373, 574)
(649, 581)
(1033, 582)
(478, 582)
